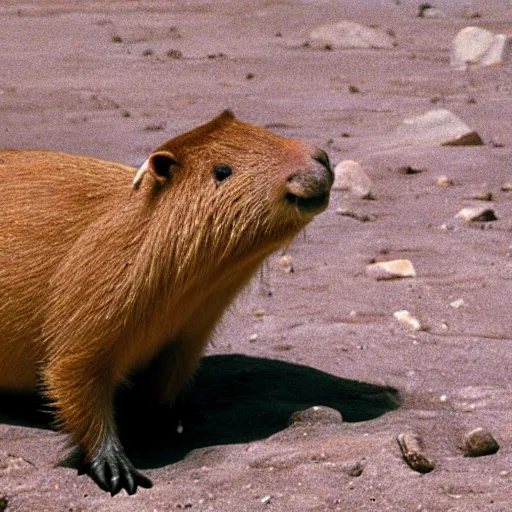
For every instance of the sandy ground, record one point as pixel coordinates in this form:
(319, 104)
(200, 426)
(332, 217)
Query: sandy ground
(103, 79)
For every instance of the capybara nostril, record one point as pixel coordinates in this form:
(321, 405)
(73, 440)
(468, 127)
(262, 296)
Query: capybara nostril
(321, 157)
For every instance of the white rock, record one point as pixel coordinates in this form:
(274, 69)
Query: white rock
(475, 46)
(444, 181)
(477, 214)
(405, 318)
(391, 269)
(456, 304)
(469, 12)
(447, 227)
(348, 34)
(432, 12)
(286, 264)
(482, 194)
(439, 127)
(350, 175)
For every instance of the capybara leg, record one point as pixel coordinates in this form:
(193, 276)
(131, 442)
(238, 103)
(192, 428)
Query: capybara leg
(176, 363)
(171, 370)
(82, 395)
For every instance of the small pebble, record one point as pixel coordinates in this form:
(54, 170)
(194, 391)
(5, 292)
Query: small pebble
(432, 13)
(405, 318)
(356, 470)
(470, 13)
(348, 34)
(390, 269)
(286, 264)
(175, 54)
(477, 214)
(456, 304)
(447, 227)
(316, 414)
(266, 499)
(443, 399)
(444, 181)
(423, 8)
(506, 187)
(361, 217)
(411, 445)
(480, 442)
(407, 169)
(259, 313)
(253, 338)
(482, 195)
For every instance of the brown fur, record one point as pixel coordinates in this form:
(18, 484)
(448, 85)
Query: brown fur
(97, 277)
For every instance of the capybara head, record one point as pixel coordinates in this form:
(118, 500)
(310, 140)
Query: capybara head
(239, 186)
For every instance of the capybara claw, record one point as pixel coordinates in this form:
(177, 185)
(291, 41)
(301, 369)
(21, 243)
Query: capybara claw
(115, 472)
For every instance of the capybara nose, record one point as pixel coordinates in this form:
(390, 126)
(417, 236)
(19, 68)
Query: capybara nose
(321, 157)
(309, 189)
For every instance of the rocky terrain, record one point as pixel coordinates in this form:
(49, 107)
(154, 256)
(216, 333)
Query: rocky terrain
(393, 368)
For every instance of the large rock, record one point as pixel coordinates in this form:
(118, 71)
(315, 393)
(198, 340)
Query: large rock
(349, 175)
(475, 46)
(405, 318)
(480, 442)
(477, 214)
(387, 270)
(348, 34)
(439, 127)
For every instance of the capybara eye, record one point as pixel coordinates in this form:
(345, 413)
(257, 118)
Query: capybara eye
(221, 172)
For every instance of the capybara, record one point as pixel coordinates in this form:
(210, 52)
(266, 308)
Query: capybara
(104, 270)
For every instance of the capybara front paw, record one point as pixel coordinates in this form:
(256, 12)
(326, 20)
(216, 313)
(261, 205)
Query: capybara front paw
(113, 472)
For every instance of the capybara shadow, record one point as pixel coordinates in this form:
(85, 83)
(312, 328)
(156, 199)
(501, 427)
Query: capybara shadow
(237, 399)
(25, 409)
(231, 399)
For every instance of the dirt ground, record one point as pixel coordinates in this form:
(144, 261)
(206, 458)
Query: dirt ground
(116, 79)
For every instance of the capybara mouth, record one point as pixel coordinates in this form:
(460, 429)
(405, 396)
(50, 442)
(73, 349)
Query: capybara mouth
(313, 204)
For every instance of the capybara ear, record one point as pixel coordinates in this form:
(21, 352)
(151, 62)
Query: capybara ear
(158, 165)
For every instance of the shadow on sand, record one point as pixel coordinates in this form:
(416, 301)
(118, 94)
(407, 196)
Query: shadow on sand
(233, 399)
